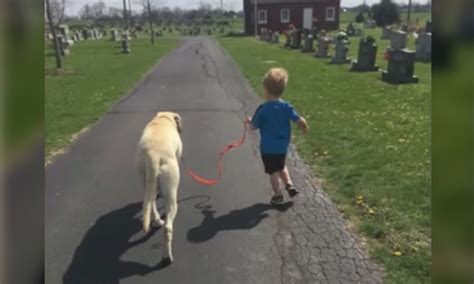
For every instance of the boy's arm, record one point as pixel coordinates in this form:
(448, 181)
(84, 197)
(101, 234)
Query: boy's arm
(249, 121)
(302, 125)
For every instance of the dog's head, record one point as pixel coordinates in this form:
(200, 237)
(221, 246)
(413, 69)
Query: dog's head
(172, 116)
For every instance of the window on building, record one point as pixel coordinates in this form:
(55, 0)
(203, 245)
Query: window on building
(285, 15)
(330, 14)
(262, 16)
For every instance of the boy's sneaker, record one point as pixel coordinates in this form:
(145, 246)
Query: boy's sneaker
(277, 199)
(292, 191)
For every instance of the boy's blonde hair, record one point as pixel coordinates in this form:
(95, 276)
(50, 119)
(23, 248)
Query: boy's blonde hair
(275, 81)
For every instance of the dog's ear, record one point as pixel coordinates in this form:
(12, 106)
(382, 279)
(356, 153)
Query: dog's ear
(179, 123)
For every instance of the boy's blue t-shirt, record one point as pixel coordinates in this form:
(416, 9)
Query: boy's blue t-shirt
(273, 120)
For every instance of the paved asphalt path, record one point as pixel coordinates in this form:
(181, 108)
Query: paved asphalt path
(227, 233)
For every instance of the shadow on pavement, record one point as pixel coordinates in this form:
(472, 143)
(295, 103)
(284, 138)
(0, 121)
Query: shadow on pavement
(241, 219)
(97, 258)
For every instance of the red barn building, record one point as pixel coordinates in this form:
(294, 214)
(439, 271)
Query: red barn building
(276, 15)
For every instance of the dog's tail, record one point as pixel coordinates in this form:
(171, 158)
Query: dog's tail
(151, 190)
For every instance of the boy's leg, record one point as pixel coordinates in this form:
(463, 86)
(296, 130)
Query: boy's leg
(275, 181)
(278, 195)
(285, 176)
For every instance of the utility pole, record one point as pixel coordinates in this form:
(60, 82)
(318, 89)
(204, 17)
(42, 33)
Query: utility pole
(256, 17)
(57, 54)
(125, 47)
(152, 33)
(409, 12)
(129, 13)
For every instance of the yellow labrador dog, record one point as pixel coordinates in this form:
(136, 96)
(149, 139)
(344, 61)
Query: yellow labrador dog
(158, 155)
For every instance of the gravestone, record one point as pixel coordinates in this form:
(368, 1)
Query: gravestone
(401, 66)
(423, 47)
(296, 39)
(125, 46)
(85, 34)
(268, 35)
(114, 35)
(324, 43)
(308, 43)
(370, 24)
(398, 39)
(386, 32)
(428, 27)
(288, 39)
(78, 35)
(366, 56)
(261, 36)
(350, 30)
(323, 47)
(275, 37)
(68, 43)
(63, 48)
(340, 49)
(64, 31)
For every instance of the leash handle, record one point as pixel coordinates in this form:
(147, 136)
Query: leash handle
(220, 161)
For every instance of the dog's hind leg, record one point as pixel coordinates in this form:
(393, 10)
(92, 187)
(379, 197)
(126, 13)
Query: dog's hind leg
(156, 215)
(169, 181)
(150, 195)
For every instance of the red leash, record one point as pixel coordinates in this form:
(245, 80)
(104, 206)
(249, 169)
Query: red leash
(220, 162)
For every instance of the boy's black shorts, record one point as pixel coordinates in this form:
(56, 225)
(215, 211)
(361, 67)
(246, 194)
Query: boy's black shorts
(273, 162)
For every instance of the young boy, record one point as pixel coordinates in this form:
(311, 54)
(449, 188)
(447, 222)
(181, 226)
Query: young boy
(273, 119)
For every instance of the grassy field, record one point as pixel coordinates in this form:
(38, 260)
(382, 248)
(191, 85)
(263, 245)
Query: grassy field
(369, 144)
(349, 16)
(94, 76)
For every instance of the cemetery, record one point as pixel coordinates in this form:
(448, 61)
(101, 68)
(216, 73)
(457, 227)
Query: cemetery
(366, 89)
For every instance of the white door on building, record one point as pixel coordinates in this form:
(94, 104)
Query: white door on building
(307, 18)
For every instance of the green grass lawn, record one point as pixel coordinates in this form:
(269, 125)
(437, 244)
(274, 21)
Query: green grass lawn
(349, 16)
(369, 143)
(95, 75)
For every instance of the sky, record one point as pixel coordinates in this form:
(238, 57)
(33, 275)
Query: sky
(73, 6)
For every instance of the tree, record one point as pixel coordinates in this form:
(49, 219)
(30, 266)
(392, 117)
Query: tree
(385, 13)
(93, 12)
(55, 15)
(147, 6)
(360, 18)
(86, 12)
(57, 10)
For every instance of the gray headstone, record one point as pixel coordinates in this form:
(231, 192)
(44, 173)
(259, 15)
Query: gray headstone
(366, 56)
(370, 24)
(308, 44)
(324, 43)
(275, 37)
(63, 47)
(423, 47)
(398, 39)
(340, 50)
(401, 66)
(64, 30)
(350, 30)
(295, 39)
